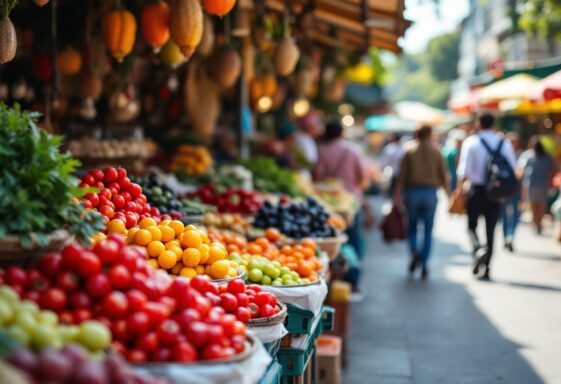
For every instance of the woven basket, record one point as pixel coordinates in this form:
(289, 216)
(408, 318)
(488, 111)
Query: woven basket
(241, 275)
(12, 253)
(268, 321)
(331, 245)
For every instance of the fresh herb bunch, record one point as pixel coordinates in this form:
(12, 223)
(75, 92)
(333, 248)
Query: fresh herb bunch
(37, 189)
(268, 177)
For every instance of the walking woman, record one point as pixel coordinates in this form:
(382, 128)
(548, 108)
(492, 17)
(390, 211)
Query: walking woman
(422, 172)
(538, 173)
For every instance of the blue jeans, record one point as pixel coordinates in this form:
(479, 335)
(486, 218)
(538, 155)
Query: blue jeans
(420, 203)
(511, 216)
(357, 244)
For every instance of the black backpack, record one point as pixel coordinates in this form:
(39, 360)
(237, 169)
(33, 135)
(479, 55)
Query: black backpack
(501, 181)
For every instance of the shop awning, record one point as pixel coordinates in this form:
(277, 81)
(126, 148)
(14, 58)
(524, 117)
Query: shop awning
(419, 112)
(513, 88)
(388, 123)
(548, 88)
(352, 25)
(464, 103)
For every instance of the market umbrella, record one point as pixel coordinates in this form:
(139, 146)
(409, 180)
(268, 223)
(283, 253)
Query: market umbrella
(512, 88)
(388, 123)
(548, 88)
(419, 112)
(464, 103)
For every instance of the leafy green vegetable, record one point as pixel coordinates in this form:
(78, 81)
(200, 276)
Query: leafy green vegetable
(268, 177)
(37, 186)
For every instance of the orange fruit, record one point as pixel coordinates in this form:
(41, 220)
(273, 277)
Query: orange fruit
(177, 250)
(309, 243)
(219, 269)
(177, 268)
(255, 249)
(116, 226)
(232, 272)
(304, 269)
(147, 222)
(216, 253)
(200, 269)
(167, 259)
(156, 233)
(286, 249)
(272, 234)
(142, 237)
(168, 234)
(205, 252)
(153, 263)
(262, 242)
(188, 272)
(173, 243)
(155, 248)
(130, 234)
(177, 226)
(191, 239)
(191, 257)
(165, 223)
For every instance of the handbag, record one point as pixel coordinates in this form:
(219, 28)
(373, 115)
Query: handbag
(393, 226)
(457, 203)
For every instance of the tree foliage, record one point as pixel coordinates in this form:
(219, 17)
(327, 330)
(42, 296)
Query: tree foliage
(443, 55)
(541, 18)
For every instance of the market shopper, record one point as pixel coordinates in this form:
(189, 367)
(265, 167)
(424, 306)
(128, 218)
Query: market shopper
(473, 175)
(391, 159)
(538, 173)
(422, 172)
(451, 153)
(510, 212)
(306, 150)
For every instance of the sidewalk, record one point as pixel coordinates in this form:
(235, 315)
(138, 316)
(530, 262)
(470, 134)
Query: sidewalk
(452, 328)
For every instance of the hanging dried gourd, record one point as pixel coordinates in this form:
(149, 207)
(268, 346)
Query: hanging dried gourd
(8, 39)
(219, 7)
(207, 41)
(186, 25)
(69, 61)
(155, 24)
(225, 66)
(287, 53)
(91, 85)
(41, 2)
(119, 30)
(171, 54)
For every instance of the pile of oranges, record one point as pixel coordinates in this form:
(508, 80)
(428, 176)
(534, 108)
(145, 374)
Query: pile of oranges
(180, 250)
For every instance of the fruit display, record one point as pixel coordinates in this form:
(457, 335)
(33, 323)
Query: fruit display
(162, 197)
(296, 220)
(31, 327)
(182, 250)
(268, 177)
(226, 221)
(118, 197)
(72, 365)
(234, 176)
(38, 189)
(231, 200)
(88, 148)
(191, 160)
(246, 302)
(152, 317)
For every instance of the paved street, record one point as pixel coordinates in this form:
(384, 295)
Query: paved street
(452, 328)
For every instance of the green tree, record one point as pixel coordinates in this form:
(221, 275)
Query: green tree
(541, 18)
(443, 55)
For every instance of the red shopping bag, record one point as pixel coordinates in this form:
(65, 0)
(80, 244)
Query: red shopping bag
(393, 226)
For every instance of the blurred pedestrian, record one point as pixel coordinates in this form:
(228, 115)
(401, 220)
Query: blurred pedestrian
(510, 211)
(306, 150)
(422, 172)
(391, 159)
(474, 170)
(538, 174)
(451, 153)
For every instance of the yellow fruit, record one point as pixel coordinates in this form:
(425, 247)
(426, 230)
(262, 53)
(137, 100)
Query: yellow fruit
(173, 243)
(233, 264)
(232, 272)
(147, 222)
(204, 250)
(153, 263)
(191, 239)
(216, 253)
(167, 259)
(191, 257)
(130, 234)
(155, 248)
(177, 268)
(156, 233)
(116, 226)
(165, 223)
(200, 269)
(208, 269)
(190, 227)
(219, 269)
(177, 226)
(168, 234)
(143, 237)
(177, 250)
(98, 237)
(188, 272)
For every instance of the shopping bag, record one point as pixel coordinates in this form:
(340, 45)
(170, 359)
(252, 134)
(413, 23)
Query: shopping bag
(457, 203)
(393, 226)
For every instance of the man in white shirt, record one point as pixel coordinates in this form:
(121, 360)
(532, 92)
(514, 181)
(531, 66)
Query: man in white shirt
(391, 159)
(472, 170)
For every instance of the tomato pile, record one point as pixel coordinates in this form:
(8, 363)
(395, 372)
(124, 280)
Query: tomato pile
(246, 302)
(152, 317)
(231, 200)
(118, 197)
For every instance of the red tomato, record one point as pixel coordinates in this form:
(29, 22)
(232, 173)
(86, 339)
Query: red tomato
(184, 352)
(181, 291)
(162, 354)
(256, 288)
(80, 299)
(87, 204)
(243, 314)
(243, 299)
(137, 356)
(138, 323)
(130, 206)
(127, 257)
(213, 352)
(16, 276)
(201, 304)
(119, 201)
(262, 298)
(107, 251)
(200, 284)
(106, 194)
(88, 179)
(215, 334)
(115, 305)
(126, 195)
(121, 173)
(119, 277)
(107, 211)
(214, 299)
(66, 317)
(227, 323)
(110, 174)
(266, 311)
(137, 300)
(88, 264)
(236, 286)
(168, 331)
(272, 300)
(186, 317)
(119, 348)
(99, 185)
(238, 343)
(169, 302)
(125, 183)
(31, 295)
(98, 285)
(103, 200)
(135, 190)
(131, 220)
(141, 200)
(155, 311)
(119, 330)
(36, 281)
(114, 186)
(97, 174)
(120, 240)
(197, 332)
(239, 328)
(93, 198)
(228, 302)
(70, 255)
(222, 288)
(148, 342)
(254, 309)
(54, 299)
(67, 281)
(82, 314)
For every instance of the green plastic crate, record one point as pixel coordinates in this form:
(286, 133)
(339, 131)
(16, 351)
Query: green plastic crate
(273, 347)
(328, 317)
(298, 321)
(273, 374)
(295, 360)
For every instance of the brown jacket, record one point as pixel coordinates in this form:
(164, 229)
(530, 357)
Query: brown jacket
(422, 166)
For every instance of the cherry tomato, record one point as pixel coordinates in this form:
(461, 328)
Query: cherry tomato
(87, 204)
(135, 190)
(107, 211)
(98, 285)
(115, 305)
(119, 201)
(156, 312)
(148, 342)
(238, 343)
(227, 322)
(121, 173)
(255, 288)
(118, 239)
(138, 323)
(214, 299)
(54, 299)
(119, 277)
(213, 352)
(137, 356)
(137, 300)
(184, 352)
(97, 174)
(88, 179)
(200, 284)
(168, 331)
(169, 302)
(88, 264)
(236, 286)
(215, 334)
(186, 317)
(198, 333)
(266, 311)
(243, 299)
(110, 174)
(243, 314)
(107, 251)
(93, 198)
(162, 354)
(106, 194)
(119, 330)
(131, 219)
(254, 309)
(228, 302)
(126, 195)
(67, 281)
(262, 298)
(80, 299)
(66, 317)
(125, 183)
(16, 276)
(82, 314)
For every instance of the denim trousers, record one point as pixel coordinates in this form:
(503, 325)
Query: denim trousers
(510, 214)
(357, 243)
(420, 203)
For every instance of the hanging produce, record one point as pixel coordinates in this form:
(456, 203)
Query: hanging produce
(119, 30)
(90, 85)
(219, 7)
(286, 56)
(155, 24)
(263, 86)
(41, 2)
(207, 42)
(8, 39)
(171, 54)
(69, 61)
(186, 25)
(225, 66)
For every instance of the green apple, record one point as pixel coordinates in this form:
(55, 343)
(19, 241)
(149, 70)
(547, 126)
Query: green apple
(255, 275)
(287, 278)
(6, 312)
(94, 335)
(254, 264)
(299, 281)
(235, 256)
(290, 282)
(69, 332)
(25, 319)
(19, 335)
(44, 336)
(271, 271)
(295, 276)
(266, 280)
(276, 264)
(284, 271)
(277, 282)
(9, 295)
(29, 306)
(47, 317)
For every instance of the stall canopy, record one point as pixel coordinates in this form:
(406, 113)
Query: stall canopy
(419, 113)
(548, 88)
(350, 24)
(388, 123)
(513, 88)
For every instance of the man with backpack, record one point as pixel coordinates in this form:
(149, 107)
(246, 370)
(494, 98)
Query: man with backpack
(487, 163)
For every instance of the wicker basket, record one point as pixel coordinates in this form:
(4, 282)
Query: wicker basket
(12, 253)
(241, 275)
(331, 245)
(268, 321)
